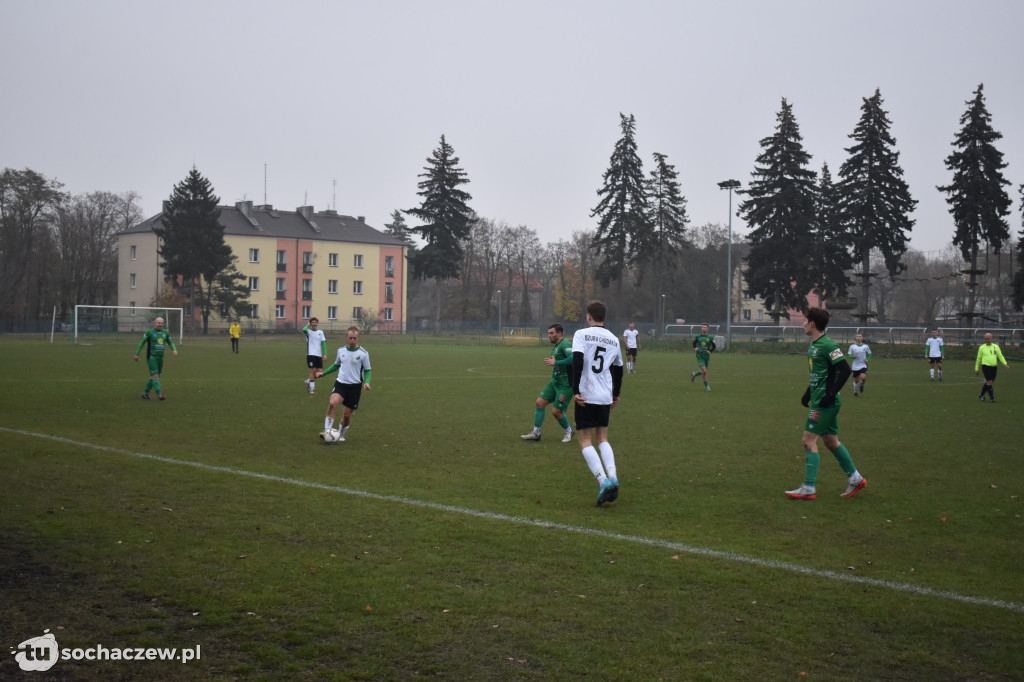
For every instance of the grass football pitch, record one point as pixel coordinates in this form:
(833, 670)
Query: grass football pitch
(435, 543)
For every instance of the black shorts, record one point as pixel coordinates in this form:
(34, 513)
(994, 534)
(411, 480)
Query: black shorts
(932, 361)
(314, 362)
(858, 372)
(591, 416)
(989, 371)
(349, 394)
(632, 351)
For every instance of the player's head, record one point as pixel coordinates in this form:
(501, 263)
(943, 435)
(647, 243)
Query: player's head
(860, 339)
(935, 333)
(596, 311)
(158, 323)
(313, 322)
(555, 333)
(704, 328)
(988, 338)
(817, 317)
(632, 326)
(352, 335)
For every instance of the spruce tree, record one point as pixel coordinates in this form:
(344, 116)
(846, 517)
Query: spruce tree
(781, 208)
(831, 244)
(621, 212)
(979, 204)
(445, 218)
(667, 220)
(398, 229)
(192, 246)
(874, 200)
(1018, 280)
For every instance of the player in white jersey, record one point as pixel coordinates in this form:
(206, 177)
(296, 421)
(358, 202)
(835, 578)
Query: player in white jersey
(935, 354)
(597, 379)
(632, 338)
(316, 351)
(353, 367)
(861, 353)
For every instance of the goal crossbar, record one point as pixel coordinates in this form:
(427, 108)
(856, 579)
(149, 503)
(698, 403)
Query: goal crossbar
(135, 309)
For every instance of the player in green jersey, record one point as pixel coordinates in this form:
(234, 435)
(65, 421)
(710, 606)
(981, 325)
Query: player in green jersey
(559, 389)
(155, 340)
(704, 344)
(829, 371)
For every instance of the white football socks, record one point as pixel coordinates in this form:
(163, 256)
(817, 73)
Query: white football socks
(594, 462)
(608, 457)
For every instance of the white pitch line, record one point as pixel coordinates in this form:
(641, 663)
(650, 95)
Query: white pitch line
(582, 530)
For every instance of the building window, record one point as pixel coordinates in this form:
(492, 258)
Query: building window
(279, 312)
(357, 313)
(358, 260)
(254, 255)
(746, 314)
(254, 311)
(389, 314)
(332, 286)
(282, 261)
(307, 312)
(133, 251)
(307, 262)
(307, 290)
(254, 284)
(280, 284)
(760, 314)
(131, 279)
(357, 287)
(332, 260)
(389, 292)
(389, 266)
(332, 312)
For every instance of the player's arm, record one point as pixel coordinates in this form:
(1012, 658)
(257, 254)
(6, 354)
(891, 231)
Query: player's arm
(170, 344)
(323, 347)
(616, 372)
(577, 374)
(330, 370)
(869, 354)
(305, 331)
(838, 373)
(711, 345)
(138, 351)
(567, 361)
(366, 378)
(977, 362)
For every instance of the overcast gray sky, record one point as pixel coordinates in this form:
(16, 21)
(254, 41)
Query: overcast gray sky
(128, 95)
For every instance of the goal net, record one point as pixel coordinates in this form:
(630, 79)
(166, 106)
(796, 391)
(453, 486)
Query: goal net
(91, 322)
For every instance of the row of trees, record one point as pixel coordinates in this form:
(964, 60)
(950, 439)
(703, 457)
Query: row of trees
(809, 232)
(57, 249)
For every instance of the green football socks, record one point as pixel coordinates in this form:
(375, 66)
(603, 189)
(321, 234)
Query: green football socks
(845, 460)
(538, 417)
(811, 470)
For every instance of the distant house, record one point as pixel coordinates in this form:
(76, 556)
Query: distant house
(299, 264)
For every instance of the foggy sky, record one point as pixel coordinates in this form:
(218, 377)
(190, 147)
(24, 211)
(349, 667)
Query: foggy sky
(343, 102)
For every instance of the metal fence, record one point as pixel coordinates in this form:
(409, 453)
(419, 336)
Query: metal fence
(951, 336)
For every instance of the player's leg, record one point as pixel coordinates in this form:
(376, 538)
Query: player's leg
(604, 448)
(863, 378)
(939, 366)
(808, 490)
(156, 366)
(854, 480)
(563, 395)
(332, 407)
(586, 422)
(931, 369)
(546, 397)
(704, 373)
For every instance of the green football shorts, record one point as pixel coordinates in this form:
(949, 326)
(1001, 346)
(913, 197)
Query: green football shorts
(823, 420)
(561, 396)
(156, 364)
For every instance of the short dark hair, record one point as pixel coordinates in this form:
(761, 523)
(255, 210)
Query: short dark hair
(314, 319)
(557, 327)
(353, 328)
(597, 311)
(819, 316)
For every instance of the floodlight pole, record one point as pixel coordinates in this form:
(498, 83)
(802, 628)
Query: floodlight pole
(729, 185)
(499, 313)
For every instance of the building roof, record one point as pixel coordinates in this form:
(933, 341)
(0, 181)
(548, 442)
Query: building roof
(244, 219)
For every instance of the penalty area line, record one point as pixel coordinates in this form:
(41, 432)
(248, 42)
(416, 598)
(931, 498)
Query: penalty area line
(579, 530)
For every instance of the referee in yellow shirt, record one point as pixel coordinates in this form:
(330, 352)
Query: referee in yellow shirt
(989, 357)
(234, 331)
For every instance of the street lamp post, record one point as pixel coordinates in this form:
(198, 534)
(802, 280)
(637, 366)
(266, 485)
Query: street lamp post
(661, 332)
(499, 313)
(729, 185)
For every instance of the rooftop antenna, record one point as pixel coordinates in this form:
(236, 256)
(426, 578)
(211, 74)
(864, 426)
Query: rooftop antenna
(264, 184)
(334, 196)
(305, 198)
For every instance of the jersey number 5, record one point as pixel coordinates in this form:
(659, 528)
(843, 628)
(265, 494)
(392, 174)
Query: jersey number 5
(598, 359)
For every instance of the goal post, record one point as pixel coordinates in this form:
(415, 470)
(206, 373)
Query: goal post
(117, 319)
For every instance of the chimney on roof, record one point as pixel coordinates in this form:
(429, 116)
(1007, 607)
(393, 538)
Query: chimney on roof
(307, 213)
(166, 206)
(244, 207)
(361, 219)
